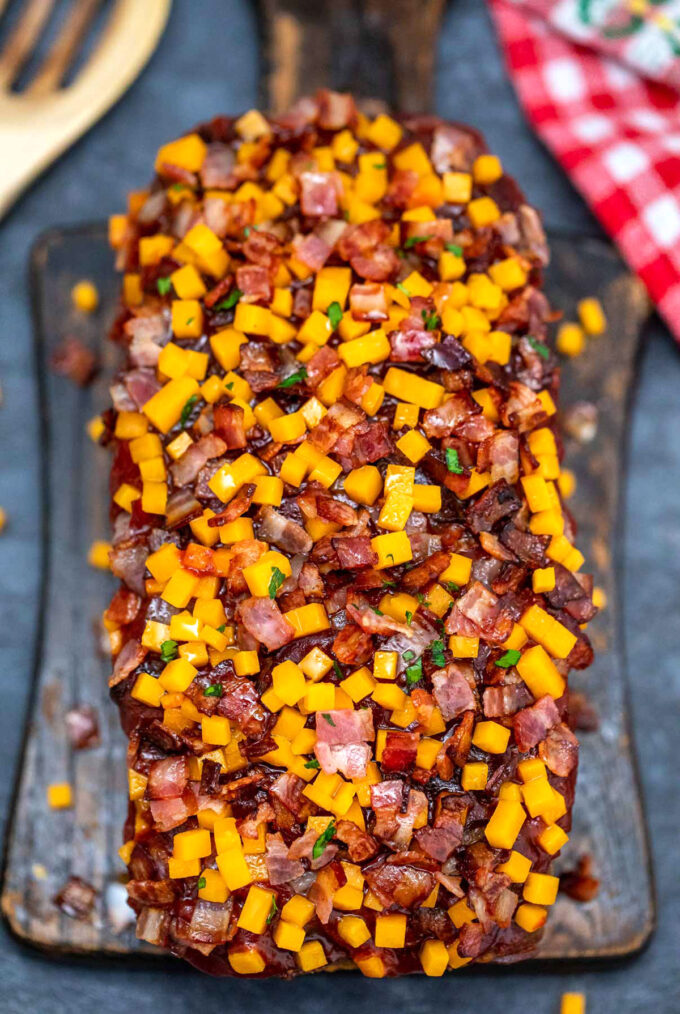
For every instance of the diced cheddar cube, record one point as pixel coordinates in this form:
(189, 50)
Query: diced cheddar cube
(288, 936)
(552, 838)
(457, 187)
(458, 570)
(491, 737)
(516, 867)
(246, 960)
(353, 930)
(59, 796)
(548, 631)
(288, 682)
(147, 690)
(413, 388)
(541, 889)
(214, 888)
(474, 776)
(256, 909)
(531, 917)
(414, 445)
(193, 844)
(186, 152)
(390, 930)
(309, 619)
(311, 955)
(392, 549)
(233, 868)
(215, 730)
(505, 824)
(592, 316)
(483, 211)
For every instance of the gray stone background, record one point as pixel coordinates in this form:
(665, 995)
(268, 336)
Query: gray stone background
(207, 62)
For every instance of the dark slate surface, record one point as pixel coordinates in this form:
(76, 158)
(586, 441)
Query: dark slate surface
(207, 63)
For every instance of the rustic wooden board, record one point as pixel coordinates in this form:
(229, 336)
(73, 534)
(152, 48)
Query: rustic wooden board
(45, 847)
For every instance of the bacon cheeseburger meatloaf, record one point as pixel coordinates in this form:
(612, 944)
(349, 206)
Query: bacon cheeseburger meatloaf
(350, 596)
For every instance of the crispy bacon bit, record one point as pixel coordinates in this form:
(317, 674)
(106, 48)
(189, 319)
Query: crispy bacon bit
(82, 727)
(446, 835)
(355, 551)
(531, 725)
(76, 898)
(132, 655)
(452, 690)
(419, 576)
(282, 532)
(336, 109)
(352, 646)
(580, 884)
(396, 811)
(318, 194)
(311, 250)
(405, 886)
(264, 620)
(254, 283)
(360, 845)
(280, 867)
(322, 363)
(368, 302)
(327, 882)
(75, 361)
(366, 249)
(505, 700)
(559, 750)
(186, 468)
(399, 754)
(341, 741)
(372, 623)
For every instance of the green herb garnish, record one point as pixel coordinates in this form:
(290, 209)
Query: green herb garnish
(230, 302)
(377, 611)
(511, 657)
(452, 586)
(539, 347)
(412, 240)
(222, 627)
(272, 911)
(313, 763)
(402, 288)
(335, 314)
(168, 651)
(432, 321)
(408, 655)
(275, 581)
(214, 690)
(186, 411)
(409, 617)
(201, 883)
(414, 673)
(380, 165)
(453, 462)
(323, 840)
(454, 249)
(294, 378)
(338, 671)
(437, 652)
(163, 285)
(389, 584)
(324, 714)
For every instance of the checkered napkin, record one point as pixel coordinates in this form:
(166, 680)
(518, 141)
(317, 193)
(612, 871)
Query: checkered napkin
(600, 82)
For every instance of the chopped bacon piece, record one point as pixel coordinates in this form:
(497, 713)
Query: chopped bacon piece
(352, 646)
(322, 363)
(281, 531)
(341, 741)
(318, 194)
(372, 623)
(280, 867)
(478, 613)
(419, 576)
(368, 302)
(559, 750)
(76, 898)
(186, 468)
(399, 754)
(360, 845)
(240, 703)
(355, 551)
(336, 109)
(254, 283)
(446, 835)
(452, 691)
(327, 882)
(505, 700)
(131, 655)
(531, 725)
(217, 170)
(287, 789)
(123, 607)
(262, 248)
(339, 418)
(311, 250)
(82, 727)
(396, 811)
(409, 346)
(366, 249)
(74, 360)
(457, 409)
(168, 778)
(264, 620)
(405, 886)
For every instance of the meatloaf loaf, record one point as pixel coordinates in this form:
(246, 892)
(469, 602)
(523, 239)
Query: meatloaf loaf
(350, 596)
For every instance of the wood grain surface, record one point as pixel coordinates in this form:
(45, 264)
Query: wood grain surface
(44, 847)
(381, 50)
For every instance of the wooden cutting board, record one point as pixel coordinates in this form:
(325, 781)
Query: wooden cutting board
(385, 50)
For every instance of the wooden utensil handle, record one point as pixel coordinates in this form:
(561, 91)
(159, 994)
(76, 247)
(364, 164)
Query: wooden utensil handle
(378, 49)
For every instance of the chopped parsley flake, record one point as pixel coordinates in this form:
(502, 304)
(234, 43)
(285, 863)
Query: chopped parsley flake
(230, 302)
(412, 240)
(414, 673)
(409, 655)
(432, 321)
(323, 840)
(511, 657)
(409, 617)
(272, 911)
(453, 462)
(163, 285)
(222, 627)
(402, 288)
(452, 586)
(313, 763)
(229, 385)
(539, 347)
(324, 714)
(186, 411)
(453, 248)
(201, 883)
(437, 652)
(335, 314)
(389, 584)
(294, 378)
(275, 581)
(378, 612)
(380, 165)
(214, 690)
(168, 651)
(338, 670)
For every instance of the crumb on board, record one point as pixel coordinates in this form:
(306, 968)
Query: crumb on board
(59, 796)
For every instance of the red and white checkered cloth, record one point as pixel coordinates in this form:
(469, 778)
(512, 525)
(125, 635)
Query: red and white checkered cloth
(600, 82)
